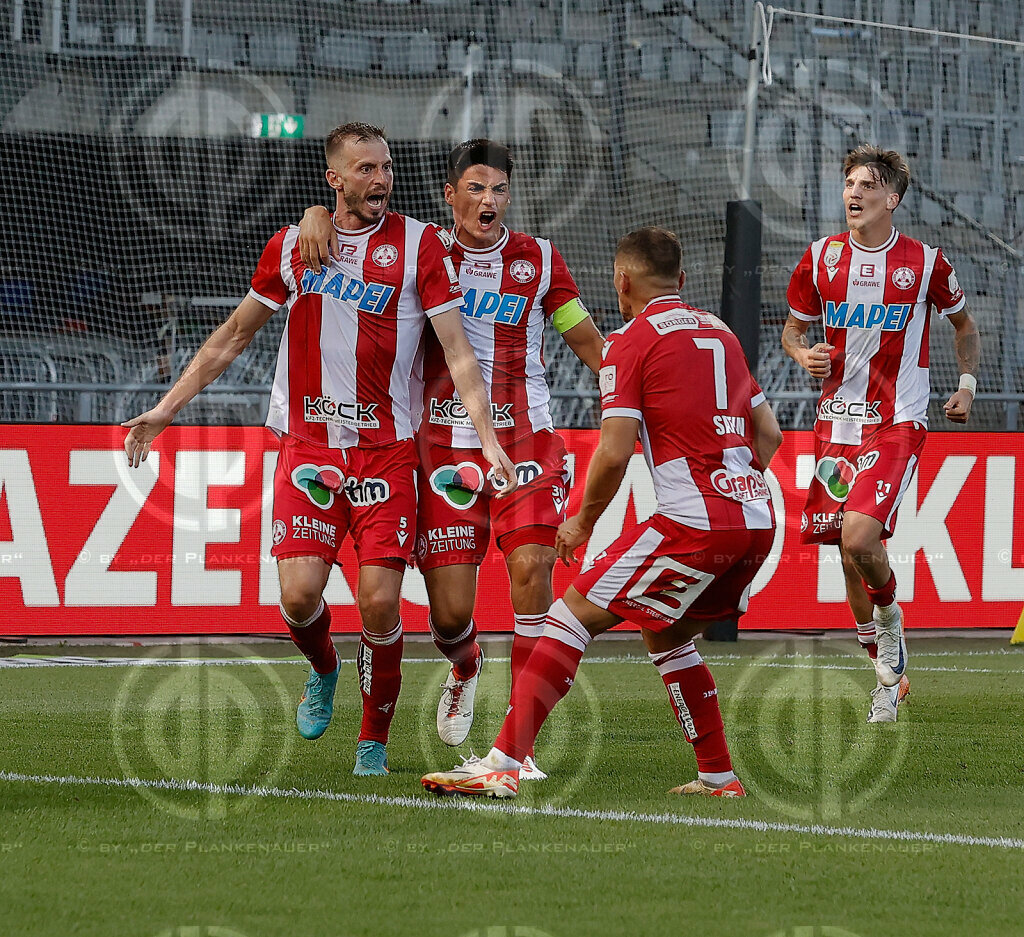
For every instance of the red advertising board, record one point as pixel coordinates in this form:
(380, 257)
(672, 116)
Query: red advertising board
(182, 545)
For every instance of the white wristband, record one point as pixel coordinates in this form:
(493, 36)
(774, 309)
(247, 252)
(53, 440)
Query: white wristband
(969, 382)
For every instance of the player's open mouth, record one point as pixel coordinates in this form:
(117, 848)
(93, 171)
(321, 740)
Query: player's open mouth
(376, 201)
(855, 209)
(487, 218)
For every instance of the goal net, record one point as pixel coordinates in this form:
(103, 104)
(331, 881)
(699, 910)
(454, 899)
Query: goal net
(149, 148)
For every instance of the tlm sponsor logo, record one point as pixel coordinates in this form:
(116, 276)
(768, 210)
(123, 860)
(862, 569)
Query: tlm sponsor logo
(364, 491)
(452, 412)
(325, 409)
(837, 410)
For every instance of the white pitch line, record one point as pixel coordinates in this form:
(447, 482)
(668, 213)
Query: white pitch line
(615, 816)
(731, 660)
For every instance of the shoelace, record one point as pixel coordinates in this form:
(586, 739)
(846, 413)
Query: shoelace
(454, 696)
(315, 699)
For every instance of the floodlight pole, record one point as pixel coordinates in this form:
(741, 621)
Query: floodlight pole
(750, 127)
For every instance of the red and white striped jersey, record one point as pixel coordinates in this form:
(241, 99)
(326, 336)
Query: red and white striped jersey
(510, 291)
(874, 302)
(352, 342)
(683, 374)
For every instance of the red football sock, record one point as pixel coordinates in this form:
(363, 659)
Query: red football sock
(313, 638)
(379, 666)
(527, 633)
(866, 637)
(462, 650)
(884, 596)
(694, 699)
(545, 679)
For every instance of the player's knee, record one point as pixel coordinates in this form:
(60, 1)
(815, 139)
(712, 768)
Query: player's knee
(378, 608)
(299, 601)
(451, 617)
(859, 545)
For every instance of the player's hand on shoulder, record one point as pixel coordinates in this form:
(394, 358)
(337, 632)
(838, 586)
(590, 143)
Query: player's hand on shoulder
(503, 471)
(958, 407)
(143, 429)
(817, 361)
(318, 239)
(571, 534)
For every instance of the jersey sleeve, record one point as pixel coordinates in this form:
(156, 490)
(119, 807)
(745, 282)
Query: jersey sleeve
(757, 396)
(563, 288)
(802, 296)
(437, 280)
(620, 378)
(268, 286)
(944, 289)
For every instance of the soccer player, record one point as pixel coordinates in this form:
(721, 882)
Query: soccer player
(707, 439)
(342, 403)
(512, 283)
(873, 286)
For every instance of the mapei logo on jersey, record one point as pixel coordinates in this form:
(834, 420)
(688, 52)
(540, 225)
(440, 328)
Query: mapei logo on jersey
(362, 492)
(368, 297)
(837, 410)
(890, 317)
(522, 271)
(312, 528)
(739, 486)
(452, 412)
(903, 278)
(837, 475)
(503, 307)
(385, 255)
(329, 410)
(673, 321)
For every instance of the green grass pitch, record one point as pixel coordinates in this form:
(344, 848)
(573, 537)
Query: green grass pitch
(239, 828)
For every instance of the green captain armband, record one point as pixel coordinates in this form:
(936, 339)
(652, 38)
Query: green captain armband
(572, 313)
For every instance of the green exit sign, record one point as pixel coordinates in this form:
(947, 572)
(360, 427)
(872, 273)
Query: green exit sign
(278, 126)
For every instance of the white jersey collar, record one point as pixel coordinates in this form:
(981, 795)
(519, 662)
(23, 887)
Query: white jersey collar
(889, 242)
(496, 247)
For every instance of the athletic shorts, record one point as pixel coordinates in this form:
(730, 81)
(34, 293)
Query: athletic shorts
(663, 571)
(321, 494)
(869, 478)
(458, 510)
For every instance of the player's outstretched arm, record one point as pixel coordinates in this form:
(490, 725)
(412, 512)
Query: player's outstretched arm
(815, 360)
(586, 341)
(967, 342)
(767, 434)
(217, 352)
(607, 467)
(318, 239)
(469, 383)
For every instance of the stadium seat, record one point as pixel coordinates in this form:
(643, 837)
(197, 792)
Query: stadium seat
(273, 49)
(652, 60)
(424, 54)
(16, 297)
(590, 60)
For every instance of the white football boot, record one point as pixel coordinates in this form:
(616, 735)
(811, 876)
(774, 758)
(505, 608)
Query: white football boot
(891, 661)
(455, 708)
(885, 701)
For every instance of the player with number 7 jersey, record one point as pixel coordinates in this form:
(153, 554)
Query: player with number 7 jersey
(707, 440)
